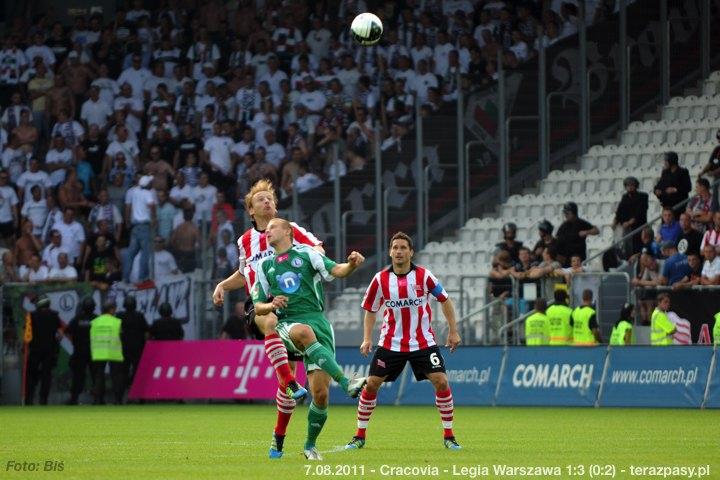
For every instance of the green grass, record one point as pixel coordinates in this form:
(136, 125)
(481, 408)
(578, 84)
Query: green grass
(231, 441)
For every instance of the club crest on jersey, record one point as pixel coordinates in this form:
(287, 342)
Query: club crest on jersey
(289, 282)
(296, 262)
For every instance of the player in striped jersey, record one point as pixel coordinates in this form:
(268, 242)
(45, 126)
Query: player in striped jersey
(406, 335)
(260, 203)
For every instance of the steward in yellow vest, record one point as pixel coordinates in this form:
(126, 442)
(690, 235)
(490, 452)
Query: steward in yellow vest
(622, 331)
(558, 314)
(537, 326)
(106, 347)
(584, 322)
(716, 329)
(661, 328)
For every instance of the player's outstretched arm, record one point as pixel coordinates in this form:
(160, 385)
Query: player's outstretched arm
(235, 281)
(342, 270)
(453, 339)
(368, 325)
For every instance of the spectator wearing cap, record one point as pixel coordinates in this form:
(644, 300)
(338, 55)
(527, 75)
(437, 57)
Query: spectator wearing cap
(674, 185)
(509, 243)
(140, 214)
(712, 236)
(712, 168)
(572, 234)
(676, 265)
(690, 239)
(545, 232)
(699, 208)
(631, 213)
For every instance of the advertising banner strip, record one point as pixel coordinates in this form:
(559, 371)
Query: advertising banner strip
(671, 376)
(712, 393)
(219, 369)
(551, 376)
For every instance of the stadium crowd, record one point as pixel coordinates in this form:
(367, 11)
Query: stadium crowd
(144, 131)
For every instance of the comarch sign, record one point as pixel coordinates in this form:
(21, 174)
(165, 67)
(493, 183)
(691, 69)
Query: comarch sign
(551, 376)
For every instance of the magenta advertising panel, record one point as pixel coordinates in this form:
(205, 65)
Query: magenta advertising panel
(221, 369)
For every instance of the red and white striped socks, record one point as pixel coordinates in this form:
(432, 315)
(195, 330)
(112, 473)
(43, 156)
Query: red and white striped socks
(444, 404)
(285, 407)
(278, 356)
(366, 405)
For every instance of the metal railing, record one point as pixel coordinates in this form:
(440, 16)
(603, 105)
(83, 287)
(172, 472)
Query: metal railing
(426, 196)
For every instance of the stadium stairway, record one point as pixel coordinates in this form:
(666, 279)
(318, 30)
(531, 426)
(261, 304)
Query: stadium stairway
(687, 126)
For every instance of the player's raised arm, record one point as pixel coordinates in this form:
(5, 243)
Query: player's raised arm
(235, 281)
(342, 270)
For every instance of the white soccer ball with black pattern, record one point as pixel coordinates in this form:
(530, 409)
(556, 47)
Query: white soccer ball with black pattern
(366, 29)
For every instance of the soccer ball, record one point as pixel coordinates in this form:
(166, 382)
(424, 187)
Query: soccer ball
(366, 29)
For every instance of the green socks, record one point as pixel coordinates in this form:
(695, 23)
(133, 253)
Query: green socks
(325, 359)
(316, 419)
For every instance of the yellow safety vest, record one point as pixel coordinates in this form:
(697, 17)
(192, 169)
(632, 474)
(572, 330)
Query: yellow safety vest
(716, 329)
(561, 332)
(582, 335)
(537, 330)
(660, 328)
(618, 332)
(105, 341)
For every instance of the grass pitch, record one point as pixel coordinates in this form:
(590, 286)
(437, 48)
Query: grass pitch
(231, 441)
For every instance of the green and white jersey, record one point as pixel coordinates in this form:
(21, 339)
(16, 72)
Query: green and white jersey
(296, 274)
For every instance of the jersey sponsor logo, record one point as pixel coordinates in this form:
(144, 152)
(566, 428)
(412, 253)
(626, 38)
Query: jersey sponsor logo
(296, 262)
(682, 246)
(259, 256)
(282, 258)
(289, 282)
(404, 302)
(380, 363)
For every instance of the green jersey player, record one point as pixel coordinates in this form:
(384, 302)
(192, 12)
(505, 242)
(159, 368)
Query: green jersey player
(290, 284)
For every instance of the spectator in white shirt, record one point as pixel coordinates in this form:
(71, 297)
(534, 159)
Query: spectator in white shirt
(73, 235)
(519, 47)
(420, 51)
(274, 152)
(38, 48)
(54, 248)
(58, 160)
(181, 190)
(306, 180)
(35, 209)
(216, 151)
(64, 272)
(31, 177)
(35, 271)
(423, 81)
(131, 106)
(94, 111)
(8, 210)
(135, 76)
(318, 38)
(123, 144)
(163, 262)
(72, 132)
(205, 196)
(140, 214)
(711, 267)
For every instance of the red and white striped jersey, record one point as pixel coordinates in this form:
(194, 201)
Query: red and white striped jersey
(407, 316)
(253, 247)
